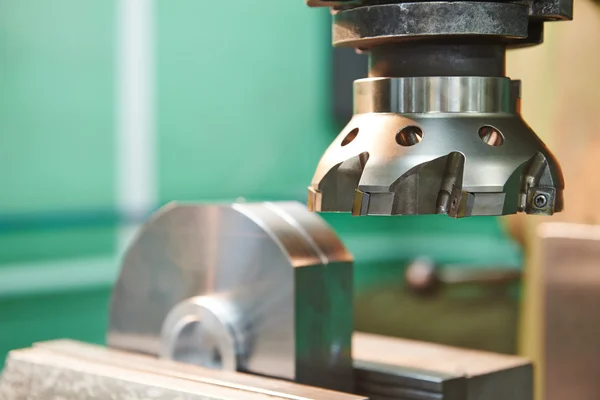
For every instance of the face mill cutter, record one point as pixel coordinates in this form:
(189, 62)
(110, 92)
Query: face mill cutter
(436, 126)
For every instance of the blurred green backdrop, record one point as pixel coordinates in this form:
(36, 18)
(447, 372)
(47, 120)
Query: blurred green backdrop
(242, 110)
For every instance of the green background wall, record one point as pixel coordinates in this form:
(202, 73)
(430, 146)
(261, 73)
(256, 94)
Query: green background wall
(242, 111)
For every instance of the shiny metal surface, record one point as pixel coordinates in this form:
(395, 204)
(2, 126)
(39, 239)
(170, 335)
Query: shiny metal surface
(443, 94)
(410, 370)
(206, 330)
(264, 288)
(570, 258)
(451, 170)
(377, 380)
(72, 370)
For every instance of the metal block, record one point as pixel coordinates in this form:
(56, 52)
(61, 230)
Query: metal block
(392, 368)
(264, 288)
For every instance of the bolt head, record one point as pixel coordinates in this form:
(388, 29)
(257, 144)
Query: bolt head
(540, 200)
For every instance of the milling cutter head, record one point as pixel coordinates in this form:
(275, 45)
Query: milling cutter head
(437, 145)
(436, 126)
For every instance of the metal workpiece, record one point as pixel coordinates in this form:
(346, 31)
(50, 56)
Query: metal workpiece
(384, 381)
(393, 368)
(264, 288)
(70, 370)
(439, 145)
(261, 288)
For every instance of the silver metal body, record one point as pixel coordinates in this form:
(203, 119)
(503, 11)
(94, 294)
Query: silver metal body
(450, 169)
(436, 126)
(392, 368)
(263, 288)
(266, 289)
(441, 94)
(260, 288)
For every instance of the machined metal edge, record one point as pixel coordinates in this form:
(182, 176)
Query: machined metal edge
(233, 310)
(72, 370)
(433, 94)
(394, 368)
(372, 25)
